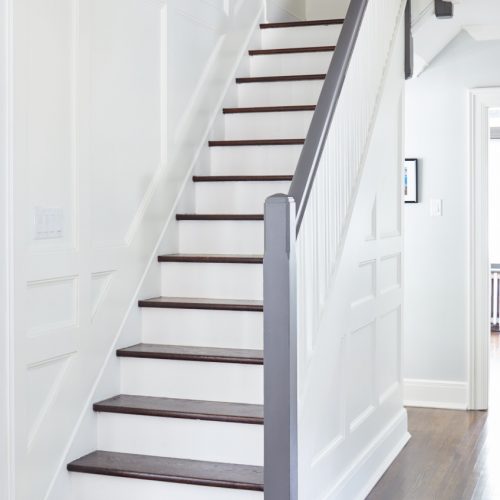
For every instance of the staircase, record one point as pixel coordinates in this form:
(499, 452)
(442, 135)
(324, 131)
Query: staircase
(189, 421)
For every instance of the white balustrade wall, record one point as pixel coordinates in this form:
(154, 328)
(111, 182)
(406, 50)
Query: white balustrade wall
(348, 250)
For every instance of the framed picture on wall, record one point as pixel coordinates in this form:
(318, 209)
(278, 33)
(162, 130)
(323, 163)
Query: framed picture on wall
(410, 180)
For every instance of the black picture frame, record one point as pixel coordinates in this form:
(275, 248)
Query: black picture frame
(410, 180)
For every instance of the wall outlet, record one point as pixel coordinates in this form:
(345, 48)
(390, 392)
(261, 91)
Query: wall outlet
(436, 208)
(48, 223)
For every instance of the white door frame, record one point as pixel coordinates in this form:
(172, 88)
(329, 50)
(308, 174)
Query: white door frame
(6, 443)
(480, 101)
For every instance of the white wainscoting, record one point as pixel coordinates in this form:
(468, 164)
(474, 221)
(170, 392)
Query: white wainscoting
(109, 115)
(351, 418)
(435, 394)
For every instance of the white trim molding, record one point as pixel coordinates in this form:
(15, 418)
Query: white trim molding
(480, 101)
(446, 394)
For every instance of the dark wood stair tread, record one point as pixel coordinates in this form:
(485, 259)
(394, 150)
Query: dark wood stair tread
(298, 24)
(198, 303)
(193, 353)
(242, 178)
(269, 109)
(291, 50)
(282, 78)
(183, 408)
(257, 142)
(174, 470)
(212, 258)
(221, 217)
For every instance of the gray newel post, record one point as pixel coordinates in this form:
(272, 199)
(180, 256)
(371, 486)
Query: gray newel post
(280, 351)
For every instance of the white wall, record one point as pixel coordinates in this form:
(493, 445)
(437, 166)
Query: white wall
(494, 193)
(436, 247)
(4, 214)
(286, 10)
(291, 10)
(321, 9)
(112, 102)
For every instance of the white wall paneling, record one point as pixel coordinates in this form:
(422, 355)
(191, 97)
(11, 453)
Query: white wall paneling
(112, 105)
(437, 254)
(349, 279)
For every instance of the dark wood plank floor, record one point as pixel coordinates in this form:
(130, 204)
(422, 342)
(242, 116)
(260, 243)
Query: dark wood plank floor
(453, 455)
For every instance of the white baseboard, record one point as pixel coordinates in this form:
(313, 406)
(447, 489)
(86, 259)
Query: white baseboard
(369, 467)
(435, 394)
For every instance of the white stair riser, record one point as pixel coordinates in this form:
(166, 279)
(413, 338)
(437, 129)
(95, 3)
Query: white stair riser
(95, 487)
(236, 197)
(219, 281)
(229, 382)
(239, 330)
(224, 237)
(181, 438)
(240, 160)
(290, 125)
(308, 63)
(279, 93)
(305, 36)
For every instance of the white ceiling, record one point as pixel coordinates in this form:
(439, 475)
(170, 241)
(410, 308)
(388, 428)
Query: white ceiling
(480, 18)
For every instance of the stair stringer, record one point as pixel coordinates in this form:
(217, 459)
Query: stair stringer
(352, 423)
(170, 190)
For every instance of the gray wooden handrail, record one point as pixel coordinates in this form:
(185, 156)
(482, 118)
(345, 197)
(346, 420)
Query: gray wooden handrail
(283, 215)
(325, 109)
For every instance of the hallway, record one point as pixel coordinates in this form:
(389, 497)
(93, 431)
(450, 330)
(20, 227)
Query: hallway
(453, 455)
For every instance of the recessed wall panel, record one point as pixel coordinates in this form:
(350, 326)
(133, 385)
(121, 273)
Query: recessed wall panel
(388, 351)
(390, 273)
(365, 283)
(52, 304)
(125, 112)
(360, 362)
(47, 92)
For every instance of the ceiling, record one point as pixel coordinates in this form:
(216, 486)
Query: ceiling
(480, 18)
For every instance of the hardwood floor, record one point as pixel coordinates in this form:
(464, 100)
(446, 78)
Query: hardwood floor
(453, 455)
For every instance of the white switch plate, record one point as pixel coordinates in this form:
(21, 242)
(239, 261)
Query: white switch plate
(48, 223)
(436, 208)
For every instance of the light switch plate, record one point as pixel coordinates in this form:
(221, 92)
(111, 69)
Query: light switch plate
(48, 223)
(436, 208)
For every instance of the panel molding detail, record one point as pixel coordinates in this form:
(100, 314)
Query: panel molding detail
(52, 304)
(100, 284)
(49, 391)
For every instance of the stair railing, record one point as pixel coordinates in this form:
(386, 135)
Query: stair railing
(304, 230)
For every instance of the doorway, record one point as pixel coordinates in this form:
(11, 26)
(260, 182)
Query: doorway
(484, 249)
(494, 252)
